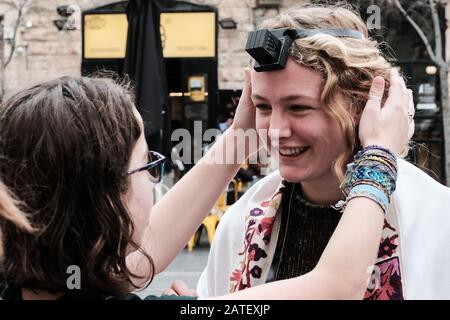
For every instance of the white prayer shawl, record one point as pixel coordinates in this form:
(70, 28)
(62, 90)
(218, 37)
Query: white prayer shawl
(423, 213)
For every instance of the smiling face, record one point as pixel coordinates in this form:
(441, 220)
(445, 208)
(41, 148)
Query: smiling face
(310, 140)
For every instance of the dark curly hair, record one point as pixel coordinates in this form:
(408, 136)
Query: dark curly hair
(65, 147)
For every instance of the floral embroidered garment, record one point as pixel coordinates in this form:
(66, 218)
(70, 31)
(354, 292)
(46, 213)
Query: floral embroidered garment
(413, 260)
(385, 282)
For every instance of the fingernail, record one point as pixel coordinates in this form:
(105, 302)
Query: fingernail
(378, 82)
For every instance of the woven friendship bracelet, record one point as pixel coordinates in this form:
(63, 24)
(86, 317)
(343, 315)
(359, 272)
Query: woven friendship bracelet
(372, 175)
(370, 192)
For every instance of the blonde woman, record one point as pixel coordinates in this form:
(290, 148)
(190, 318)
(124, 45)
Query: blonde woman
(314, 104)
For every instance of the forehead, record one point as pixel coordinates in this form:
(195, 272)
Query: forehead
(293, 79)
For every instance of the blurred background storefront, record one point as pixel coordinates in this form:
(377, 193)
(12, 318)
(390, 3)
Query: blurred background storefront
(188, 35)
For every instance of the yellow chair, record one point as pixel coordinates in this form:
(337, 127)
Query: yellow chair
(212, 220)
(210, 224)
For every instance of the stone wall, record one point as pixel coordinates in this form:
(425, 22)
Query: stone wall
(44, 52)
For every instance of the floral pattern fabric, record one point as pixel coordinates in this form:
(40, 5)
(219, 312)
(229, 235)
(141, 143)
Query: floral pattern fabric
(257, 236)
(385, 282)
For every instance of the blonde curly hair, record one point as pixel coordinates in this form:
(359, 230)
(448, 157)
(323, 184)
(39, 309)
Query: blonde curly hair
(347, 65)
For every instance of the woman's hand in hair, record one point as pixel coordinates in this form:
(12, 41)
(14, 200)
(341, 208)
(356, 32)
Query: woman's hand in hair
(246, 111)
(390, 126)
(244, 123)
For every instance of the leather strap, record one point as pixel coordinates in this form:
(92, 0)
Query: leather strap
(348, 33)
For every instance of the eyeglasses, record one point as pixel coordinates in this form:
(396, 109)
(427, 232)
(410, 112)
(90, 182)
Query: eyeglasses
(155, 167)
